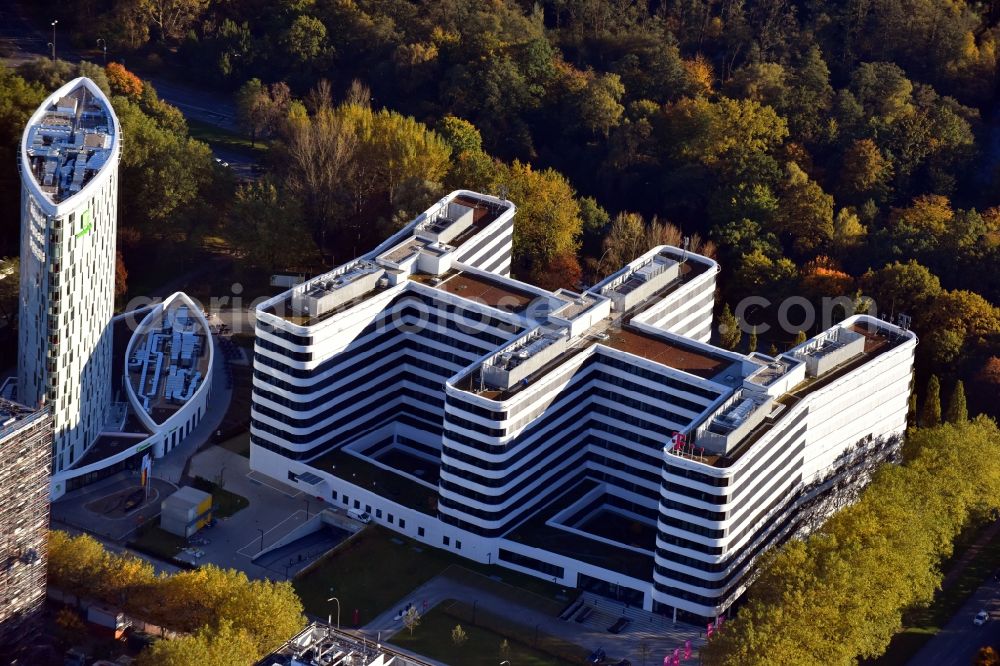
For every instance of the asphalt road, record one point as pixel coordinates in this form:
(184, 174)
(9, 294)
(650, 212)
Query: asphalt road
(24, 42)
(957, 643)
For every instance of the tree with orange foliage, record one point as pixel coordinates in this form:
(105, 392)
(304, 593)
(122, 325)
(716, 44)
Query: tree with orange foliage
(822, 277)
(563, 271)
(123, 82)
(121, 275)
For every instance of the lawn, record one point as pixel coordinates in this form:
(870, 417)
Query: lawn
(369, 573)
(377, 569)
(920, 625)
(239, 444)
(225, 502)
(157, 542)
(482, 647)
(217, 136)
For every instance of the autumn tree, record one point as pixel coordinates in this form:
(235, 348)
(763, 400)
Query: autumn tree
(305, 39)
(267, 228)
(459, 635)
(730, 333)
(865, 171)
(260, 108)
(548, 221)
(171, 17)
(123, 82)
(987, 656)
(957, 410)
(957, 322)
(222, 644)
(909, 288)
(166, 170)
(411, 619)
(121, 275)
(599, 103)
(805, 214)
(563, 271)
(930, 416)
(896, 534)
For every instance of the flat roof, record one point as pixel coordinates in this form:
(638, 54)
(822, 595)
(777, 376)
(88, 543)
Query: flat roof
(484, 213)
(659, 350)
(877, 342)
(494, 293)
(109, 445)
(69, 140)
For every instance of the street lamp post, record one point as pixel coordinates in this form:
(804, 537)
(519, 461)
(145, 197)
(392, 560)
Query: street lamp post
(101, 42)
(329, 618)
(54, 39)
(261, 538)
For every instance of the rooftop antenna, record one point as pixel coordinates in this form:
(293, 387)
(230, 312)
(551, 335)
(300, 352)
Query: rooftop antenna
(685, 243)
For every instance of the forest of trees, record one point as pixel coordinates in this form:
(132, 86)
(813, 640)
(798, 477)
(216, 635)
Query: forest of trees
(816, 149)
(227, 618)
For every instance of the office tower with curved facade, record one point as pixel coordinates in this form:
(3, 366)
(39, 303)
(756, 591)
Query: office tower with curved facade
(69, 180)
(594, 438)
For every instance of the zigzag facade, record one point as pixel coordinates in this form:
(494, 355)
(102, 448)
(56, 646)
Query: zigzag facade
(538, 430)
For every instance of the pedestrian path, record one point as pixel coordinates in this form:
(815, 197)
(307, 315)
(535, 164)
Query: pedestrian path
(650, 638)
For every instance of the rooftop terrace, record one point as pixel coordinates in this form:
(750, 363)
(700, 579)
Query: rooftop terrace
(877, 341)
(13, 415)
(494, 293)
(168, 359)
(686, 358)
(69, 142)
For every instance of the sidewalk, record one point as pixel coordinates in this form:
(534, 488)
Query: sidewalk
(657, 640)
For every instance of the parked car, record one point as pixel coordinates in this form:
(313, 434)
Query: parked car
(597, 656)
(981, 618)
(360, 516)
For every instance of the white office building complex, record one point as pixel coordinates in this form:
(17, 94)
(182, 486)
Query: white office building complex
(69, 176)
(596, 439)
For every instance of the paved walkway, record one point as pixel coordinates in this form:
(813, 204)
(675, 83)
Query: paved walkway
(71, 509)
(658, 640)
(959, 640)
(274, 509)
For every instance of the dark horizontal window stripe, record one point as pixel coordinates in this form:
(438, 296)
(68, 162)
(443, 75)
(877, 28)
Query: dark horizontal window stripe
(733, 579)
(681, 542)
(427, 312)
(512, 516)
(685, 473)
(346, 399)
(301, 356)
(386, 365)
(322, 436)
(531, 563)
(460, 403)
(504, 228)
(376, 421)
(693, 528)
(500, 261)
(656, 377)
(764, 450)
